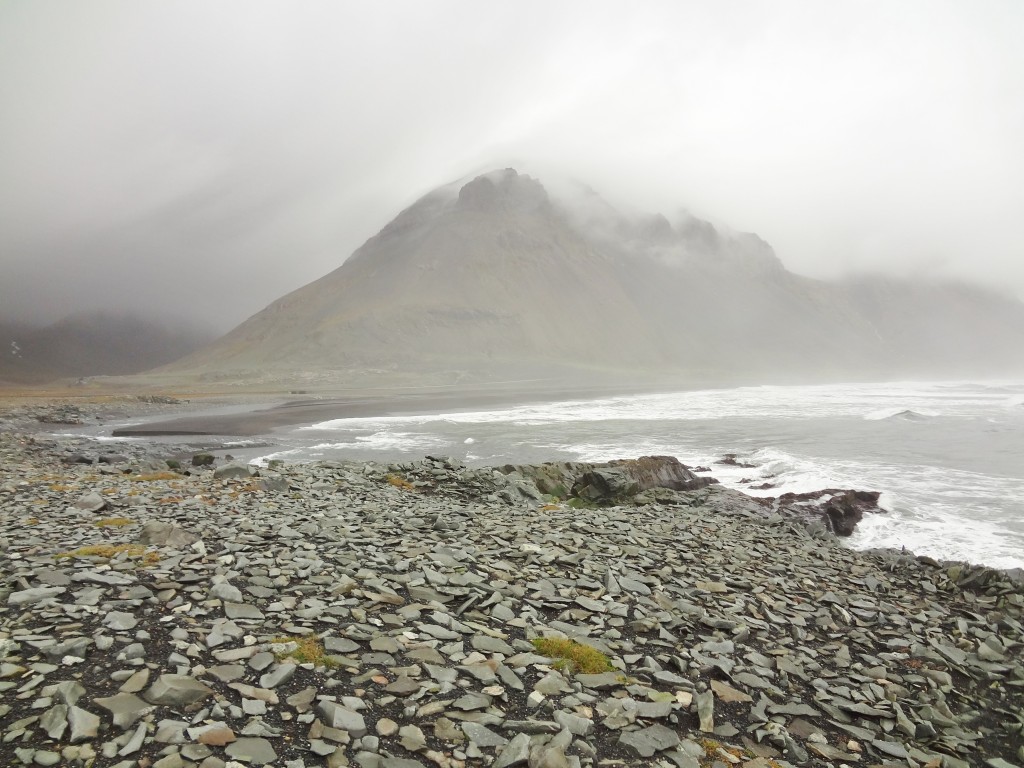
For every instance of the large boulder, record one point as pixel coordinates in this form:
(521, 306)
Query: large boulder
(232, 471)
(90, 502)
(608, 482)
(620, 479)
(161, 534)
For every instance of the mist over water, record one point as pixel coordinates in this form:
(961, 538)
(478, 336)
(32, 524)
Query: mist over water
(947, 457)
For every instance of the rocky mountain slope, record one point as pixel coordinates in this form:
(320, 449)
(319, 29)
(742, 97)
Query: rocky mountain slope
(496, 278)
(90, 344)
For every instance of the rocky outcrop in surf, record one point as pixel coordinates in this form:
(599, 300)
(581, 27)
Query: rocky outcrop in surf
(838, 511)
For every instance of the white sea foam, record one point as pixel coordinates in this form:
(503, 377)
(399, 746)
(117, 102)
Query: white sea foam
(868, 401)
(384, 440)
(299, 455)
(942, 512)
(360, 441)
(96, 438)
(942, 534)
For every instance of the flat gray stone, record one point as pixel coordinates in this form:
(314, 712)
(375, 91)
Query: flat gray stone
(516, 752)
(125, 708)
(602, 681)
(55, 721)
(403, 686)
(488, 644)
(471, 701)
(649, 741)
(177, 690)
(253, 750)
(335, 715)
(33, 595)
(134, 744)
(412, 738)
(483, 736)
(706, 711)
(161, 534)
(243, 611)
(227, 592)
(84, 725)
(119, 621)
(90, 502)
(232, 471)
(575, 724)
(279, 675)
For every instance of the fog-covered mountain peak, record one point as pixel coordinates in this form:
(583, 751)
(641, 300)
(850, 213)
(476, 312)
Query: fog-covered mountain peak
(504, 190)
(498, 276)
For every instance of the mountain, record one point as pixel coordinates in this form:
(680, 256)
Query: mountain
(91, 344)
(495, 278)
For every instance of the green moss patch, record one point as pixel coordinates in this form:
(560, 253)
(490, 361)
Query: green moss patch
(572, 656)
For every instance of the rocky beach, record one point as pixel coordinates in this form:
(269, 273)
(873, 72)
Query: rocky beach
(167, 607)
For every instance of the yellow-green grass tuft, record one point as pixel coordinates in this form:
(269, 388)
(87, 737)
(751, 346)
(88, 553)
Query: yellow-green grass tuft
(113, 522)
(400, 482)
(110, 551)
(308, 649)
(572, 656)
(155, 476)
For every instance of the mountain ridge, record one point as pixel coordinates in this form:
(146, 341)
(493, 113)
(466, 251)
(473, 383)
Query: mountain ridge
(493, 276)
(92, 344)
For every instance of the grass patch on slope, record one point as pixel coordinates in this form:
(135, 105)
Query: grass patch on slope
(308, 649)
(572, 656)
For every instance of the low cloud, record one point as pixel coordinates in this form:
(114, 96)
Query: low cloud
(201, 160)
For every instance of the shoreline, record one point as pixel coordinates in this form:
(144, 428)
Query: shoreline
(367, 403)
(97, 415)
(176, 632)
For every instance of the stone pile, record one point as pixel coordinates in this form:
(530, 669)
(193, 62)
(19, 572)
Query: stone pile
(383, 616)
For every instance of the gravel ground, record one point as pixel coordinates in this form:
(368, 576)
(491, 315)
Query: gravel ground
(387, 615)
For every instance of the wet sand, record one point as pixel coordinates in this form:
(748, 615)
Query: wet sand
(247, 422)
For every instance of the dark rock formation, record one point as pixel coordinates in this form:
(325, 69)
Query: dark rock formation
(839, 510)
(730, 460)
(609, 482)
(623, 478)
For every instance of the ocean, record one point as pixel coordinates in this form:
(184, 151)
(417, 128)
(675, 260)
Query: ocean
(947, 457)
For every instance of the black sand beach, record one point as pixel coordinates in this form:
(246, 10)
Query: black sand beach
(250, 421)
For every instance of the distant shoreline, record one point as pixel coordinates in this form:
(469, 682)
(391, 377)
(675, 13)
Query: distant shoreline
(257, 421)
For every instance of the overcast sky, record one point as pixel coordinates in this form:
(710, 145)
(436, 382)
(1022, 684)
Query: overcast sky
(202, 159)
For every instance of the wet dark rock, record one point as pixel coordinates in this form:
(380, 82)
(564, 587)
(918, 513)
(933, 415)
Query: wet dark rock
(619, 480)
(730, 460)
(77, 458)
(609, 482)
(838, 510)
